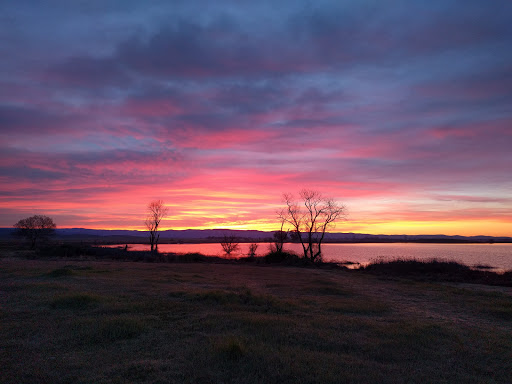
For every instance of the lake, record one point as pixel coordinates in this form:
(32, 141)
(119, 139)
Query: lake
(498, 256)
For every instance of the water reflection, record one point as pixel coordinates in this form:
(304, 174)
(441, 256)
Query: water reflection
(496, 255)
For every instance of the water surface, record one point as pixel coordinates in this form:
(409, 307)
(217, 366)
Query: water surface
(498, 256)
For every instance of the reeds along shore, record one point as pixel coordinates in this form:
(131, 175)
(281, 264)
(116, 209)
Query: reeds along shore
(430, 270)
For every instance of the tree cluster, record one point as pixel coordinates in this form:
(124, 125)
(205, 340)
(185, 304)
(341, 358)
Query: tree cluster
(309, 218)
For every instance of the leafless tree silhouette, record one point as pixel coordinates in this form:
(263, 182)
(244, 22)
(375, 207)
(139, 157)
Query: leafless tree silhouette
(310, 218)
(252, 250)
(229, 244)
(279, 236)
(156, 211)
(38, 227)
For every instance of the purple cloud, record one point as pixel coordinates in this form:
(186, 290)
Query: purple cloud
(380, 101)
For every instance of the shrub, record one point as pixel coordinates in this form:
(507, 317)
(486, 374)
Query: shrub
(283, 257)
(438, 270)
(402, 266)
(252, 250)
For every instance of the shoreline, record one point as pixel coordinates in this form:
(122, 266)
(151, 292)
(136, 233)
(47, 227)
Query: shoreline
(430, 269)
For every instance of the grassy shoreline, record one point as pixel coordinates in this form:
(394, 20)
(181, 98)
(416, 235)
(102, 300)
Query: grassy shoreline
(105, 321)
(427, 270)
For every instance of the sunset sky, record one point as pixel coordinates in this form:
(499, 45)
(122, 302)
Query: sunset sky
(402, 110)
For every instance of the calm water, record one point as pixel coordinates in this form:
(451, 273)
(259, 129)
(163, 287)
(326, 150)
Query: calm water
(498, 256)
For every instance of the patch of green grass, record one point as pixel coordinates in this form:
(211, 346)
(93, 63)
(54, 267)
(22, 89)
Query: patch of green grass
(326, 287)
(79, 301)
(335, 291)
(359, 306)
(142, 371)
(13, 287)
(79, 267)
(61, 272)
(241, 297)
(501, 313)
(496, 304)
(108, 330)
(214, 296)
(98, 271)
(74, 270)
(118, 329)
(230, 347)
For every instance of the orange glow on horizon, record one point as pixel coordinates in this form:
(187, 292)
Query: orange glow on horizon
(452, 228)
(227, 200)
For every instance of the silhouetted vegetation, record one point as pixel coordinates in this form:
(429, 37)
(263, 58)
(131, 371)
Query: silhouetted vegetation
(252, 250)
(438, 270)
(156, 212)
(283, 257)
(310, 218)
(229, 244)
(195, 257)
(35, 228)
(279, 238)
(77, 250)
(432, 270)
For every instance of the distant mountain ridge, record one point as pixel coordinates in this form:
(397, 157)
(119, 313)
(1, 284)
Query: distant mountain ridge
(254, 235)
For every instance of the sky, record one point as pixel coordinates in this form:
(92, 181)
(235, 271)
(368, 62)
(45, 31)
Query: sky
(400, 110)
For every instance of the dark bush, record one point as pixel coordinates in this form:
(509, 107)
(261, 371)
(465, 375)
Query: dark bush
(73, 250)
(192, 257)
(438, 270)
(283, 257)
(65, 250)
(416, 267)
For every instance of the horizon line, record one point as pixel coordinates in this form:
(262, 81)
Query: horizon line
(258, 230)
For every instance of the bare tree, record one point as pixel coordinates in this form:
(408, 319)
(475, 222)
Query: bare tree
(279, 236)
(310, 218)
(156, 211)
(229, 244)
(38, 227)
(252, 250)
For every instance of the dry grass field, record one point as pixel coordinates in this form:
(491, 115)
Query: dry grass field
(79, 321)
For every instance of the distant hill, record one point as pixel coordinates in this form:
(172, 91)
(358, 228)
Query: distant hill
(213, 235)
